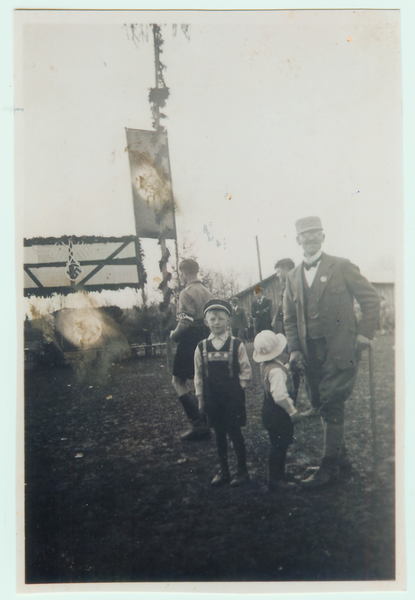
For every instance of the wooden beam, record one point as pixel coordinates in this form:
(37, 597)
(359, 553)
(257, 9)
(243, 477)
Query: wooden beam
(33, 277)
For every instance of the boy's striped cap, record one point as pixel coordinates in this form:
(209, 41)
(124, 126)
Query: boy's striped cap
(217, 304)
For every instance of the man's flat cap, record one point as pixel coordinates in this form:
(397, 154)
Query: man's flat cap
(307, 224)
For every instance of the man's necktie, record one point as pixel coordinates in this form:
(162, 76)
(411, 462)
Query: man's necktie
(308, 266)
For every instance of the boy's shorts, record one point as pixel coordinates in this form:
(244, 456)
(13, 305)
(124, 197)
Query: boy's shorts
(276, 420)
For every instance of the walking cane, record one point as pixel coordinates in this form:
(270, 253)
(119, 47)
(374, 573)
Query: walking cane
(373, 413)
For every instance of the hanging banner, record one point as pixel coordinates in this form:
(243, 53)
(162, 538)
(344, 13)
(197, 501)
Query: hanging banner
(151, 184)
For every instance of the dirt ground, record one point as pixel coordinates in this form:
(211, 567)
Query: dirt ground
(113, 495)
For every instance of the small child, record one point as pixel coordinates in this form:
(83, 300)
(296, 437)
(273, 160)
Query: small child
(278, 410)
(222, 371)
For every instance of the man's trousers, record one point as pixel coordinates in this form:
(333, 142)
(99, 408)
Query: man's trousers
(328, 386)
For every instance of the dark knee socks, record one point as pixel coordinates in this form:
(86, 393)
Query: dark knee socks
(276, 461)
(222, 448)
(238, 443)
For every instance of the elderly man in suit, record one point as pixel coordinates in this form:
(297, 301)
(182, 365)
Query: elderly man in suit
(325, 339)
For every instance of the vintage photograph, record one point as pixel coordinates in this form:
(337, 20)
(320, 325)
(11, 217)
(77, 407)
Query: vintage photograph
(210, 226)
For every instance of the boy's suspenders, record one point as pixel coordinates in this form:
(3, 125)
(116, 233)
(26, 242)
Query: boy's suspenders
(206, 361)
(205, 358)
(265, 372)
(230, 357)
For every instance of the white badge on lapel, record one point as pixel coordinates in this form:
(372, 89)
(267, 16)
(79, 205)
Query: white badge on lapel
(323, 279)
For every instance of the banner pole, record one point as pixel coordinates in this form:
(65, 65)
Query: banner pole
(176, 248)
(259, 258)
(158, 75)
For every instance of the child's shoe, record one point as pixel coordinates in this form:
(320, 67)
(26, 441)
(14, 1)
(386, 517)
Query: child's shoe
(221, 478)
(279, 485)
(240, 479)
(196, 433)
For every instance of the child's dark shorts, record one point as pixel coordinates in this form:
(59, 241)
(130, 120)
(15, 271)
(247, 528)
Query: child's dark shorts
(277, 420)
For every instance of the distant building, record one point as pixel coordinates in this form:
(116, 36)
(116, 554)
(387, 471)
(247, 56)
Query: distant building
(272, 289)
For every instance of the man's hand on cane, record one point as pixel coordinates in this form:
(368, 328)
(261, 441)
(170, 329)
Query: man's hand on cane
(362, 343)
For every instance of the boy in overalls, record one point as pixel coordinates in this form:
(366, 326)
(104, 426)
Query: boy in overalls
(222, 372)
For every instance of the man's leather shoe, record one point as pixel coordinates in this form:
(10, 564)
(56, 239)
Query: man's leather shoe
(220, 479)
(320, 478)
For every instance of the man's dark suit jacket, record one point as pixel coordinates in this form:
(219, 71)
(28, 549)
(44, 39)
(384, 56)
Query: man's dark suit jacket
(261, 312)
(238, 318)
(339, 282)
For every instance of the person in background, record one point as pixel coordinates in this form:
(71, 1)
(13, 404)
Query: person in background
(239, 322)
(325, 339)
(189, 331)
(222, 372)
(278, 410)
(261, 310)
(282, 268)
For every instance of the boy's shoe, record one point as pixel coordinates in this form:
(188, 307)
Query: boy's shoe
(240, 479)
(311, 412)
(290, 477)
(196, 433)
(279, 485)
(220, 479)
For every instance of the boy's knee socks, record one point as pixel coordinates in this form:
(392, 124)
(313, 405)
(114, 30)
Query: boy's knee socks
(240, 451)
(276, 462)
(222, 448)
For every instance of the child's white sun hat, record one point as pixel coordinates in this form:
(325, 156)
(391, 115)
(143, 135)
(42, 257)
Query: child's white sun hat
(268, 345)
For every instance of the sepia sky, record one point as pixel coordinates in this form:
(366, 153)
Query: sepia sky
(271, 117)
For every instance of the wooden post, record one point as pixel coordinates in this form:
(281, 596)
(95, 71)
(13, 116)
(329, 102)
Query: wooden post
(162, 240)
(155, 29)
(259, 258)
